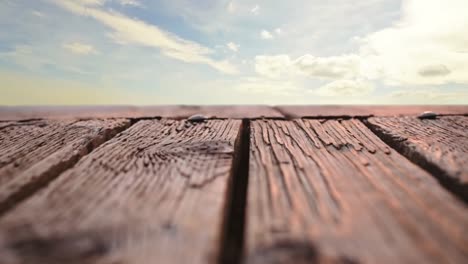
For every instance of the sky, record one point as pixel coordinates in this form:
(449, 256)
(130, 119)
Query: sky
(141, 52)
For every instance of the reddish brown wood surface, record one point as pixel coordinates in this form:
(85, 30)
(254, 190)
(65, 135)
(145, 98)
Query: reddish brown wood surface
(34, 152)
(332, 192)
(153, 194)
(362, 110)
(64, 112)
(439, 145)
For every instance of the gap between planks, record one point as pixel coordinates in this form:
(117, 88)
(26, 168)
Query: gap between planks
(232, 237)
(444, 171)
(455, 186)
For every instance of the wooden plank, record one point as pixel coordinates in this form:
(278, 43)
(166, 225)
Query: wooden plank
(174, 111)
(295, 111)
(332, 192)
(439, 145)
(153, 194)
(33, 153)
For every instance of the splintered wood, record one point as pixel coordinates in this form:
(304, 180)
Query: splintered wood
(34, 152)
(440, 145)
(153, 194)
(332, 192)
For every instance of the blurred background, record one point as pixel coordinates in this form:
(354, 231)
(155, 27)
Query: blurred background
(140, 52)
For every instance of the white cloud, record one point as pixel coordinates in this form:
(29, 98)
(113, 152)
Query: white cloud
(342, 88)
(133, 31)
(38, 13)
(255, 10)
(241, 7)
(278, 31)
(263, 86)
(130, 3)
(336, 67)
(90, 2)
(233, 46)
(429, 45)
(79, 48)
(102, 2)
(231, 7)
(266, 34)
(273, 66)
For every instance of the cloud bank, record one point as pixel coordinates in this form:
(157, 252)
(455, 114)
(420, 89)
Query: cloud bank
(127, 30)
(428, 45)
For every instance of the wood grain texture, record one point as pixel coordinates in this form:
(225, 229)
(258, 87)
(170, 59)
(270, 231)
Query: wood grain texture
(170, 111)
(332, 192)
(295, 111)
(153, 194)
(34, 152)
(439, 145)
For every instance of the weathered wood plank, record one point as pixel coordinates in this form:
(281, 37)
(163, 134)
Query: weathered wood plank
(332, 192)
(174, 111)
(153, 194)
(439, 145)
(295, 111)
(33, 153)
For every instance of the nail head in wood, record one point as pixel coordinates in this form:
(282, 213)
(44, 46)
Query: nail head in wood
(197, 118)
(427, 115)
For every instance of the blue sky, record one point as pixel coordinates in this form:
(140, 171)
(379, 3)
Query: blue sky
(233, 52)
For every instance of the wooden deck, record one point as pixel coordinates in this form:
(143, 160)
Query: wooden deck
(250, 184)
